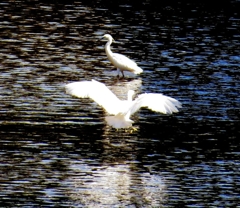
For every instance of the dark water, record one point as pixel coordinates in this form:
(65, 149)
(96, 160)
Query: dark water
(56, 151)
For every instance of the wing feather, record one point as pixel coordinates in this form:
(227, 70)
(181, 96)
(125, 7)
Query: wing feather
(123, 62)
(156, 102)
(123, 59)
(97, 92)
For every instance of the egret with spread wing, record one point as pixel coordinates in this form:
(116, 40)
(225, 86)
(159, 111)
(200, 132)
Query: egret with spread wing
(121, 62)
(121, 109)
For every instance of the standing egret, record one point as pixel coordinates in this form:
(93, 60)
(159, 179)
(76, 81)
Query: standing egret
(121, 62)
(121, 109)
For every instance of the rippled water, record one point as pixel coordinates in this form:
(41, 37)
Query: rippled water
(57, 151)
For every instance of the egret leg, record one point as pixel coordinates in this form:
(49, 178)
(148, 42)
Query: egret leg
(122, 74)
(118, 70)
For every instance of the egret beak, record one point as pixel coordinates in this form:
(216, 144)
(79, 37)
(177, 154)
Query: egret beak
(100, 38)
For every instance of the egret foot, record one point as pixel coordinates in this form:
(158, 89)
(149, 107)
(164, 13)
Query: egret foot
(131, 130)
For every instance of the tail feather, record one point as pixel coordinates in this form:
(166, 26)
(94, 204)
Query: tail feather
(119, 121)
(137, 70)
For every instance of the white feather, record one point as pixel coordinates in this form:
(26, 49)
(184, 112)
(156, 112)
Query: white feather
(119, 121)
(97, 92)
(156, 102)
(124, 63)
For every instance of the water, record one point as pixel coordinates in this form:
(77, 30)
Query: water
(57, 151)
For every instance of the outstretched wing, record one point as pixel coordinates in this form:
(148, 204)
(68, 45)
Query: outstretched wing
(156, 102)
(97, 92)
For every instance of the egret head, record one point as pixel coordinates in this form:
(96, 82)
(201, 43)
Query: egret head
(108, 37)
(130, 95)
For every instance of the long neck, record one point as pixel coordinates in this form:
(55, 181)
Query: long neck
(130, 98)
(108, 49)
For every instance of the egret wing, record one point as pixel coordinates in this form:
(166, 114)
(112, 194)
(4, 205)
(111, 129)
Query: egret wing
(124, 63)
(156, 102)
(97, 92)
(123, 60)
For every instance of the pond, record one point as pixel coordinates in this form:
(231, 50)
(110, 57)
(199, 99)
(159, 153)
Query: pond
(57, 150)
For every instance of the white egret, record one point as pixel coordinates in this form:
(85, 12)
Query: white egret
(121, 62)
(122, 110)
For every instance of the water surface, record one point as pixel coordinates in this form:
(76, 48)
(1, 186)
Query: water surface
(57, 150)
